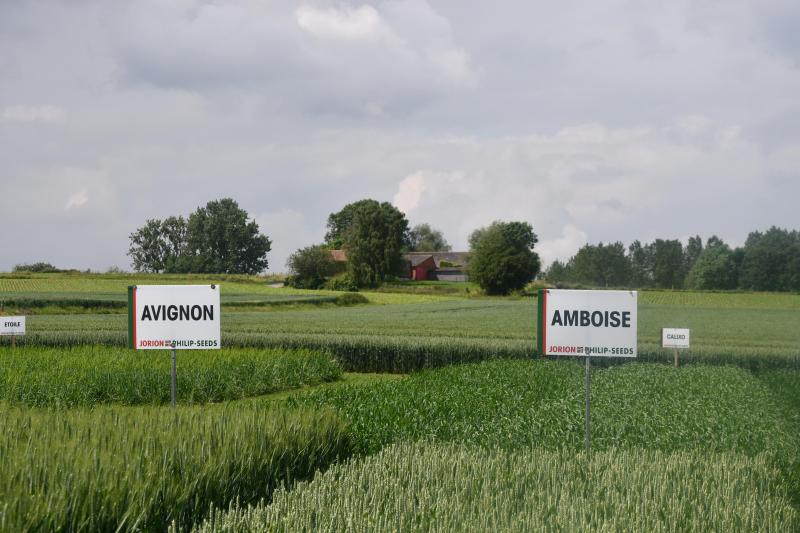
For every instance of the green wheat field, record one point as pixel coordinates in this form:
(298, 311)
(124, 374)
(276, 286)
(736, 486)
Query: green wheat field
(393, 411)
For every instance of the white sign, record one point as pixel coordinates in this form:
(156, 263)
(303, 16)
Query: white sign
(186, 315)
(588, 323)
(12, 325)
(674, 338)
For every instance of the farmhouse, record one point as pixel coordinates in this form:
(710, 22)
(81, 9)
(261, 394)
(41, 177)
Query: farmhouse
(442, 266)
(423, 266)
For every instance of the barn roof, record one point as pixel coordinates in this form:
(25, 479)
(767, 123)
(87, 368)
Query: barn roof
(417, 260)
(455, 258)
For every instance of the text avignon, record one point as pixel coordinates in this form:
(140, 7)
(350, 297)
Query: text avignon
(178, 312)
(598, 319)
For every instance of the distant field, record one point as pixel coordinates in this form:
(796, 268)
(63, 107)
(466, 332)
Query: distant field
(69, 290)
(491, 326)
(721, 300)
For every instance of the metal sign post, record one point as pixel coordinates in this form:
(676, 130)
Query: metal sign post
(587, 324)
(174, 317)
(588, 422)
(174, 387)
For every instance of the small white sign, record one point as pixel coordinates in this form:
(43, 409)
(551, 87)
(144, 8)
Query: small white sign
(12, 325)
(186, 316)
(674, 338)
(588, 323)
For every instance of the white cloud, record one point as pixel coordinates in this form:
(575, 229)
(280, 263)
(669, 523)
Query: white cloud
(45, 114)
(368, 61)
(343, 22)
(409, 192)
(77, 200)
(564, 247)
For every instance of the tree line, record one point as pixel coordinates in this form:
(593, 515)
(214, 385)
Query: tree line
(220, 238)
(768, 261)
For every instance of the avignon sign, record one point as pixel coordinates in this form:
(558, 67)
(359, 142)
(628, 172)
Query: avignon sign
(587, 323)
(186, 317)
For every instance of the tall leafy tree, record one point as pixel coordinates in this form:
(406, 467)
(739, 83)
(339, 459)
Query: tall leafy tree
(557, 272)
(715, 268)
(771, 261)
(602, 265)
(310, 266)
(668, 263)
(502, 257)
(173, 235)
(423, 238)
(341, 221)
(220, 239)
(693, 250)
(148, 247)
(641, 264)
(374, 234)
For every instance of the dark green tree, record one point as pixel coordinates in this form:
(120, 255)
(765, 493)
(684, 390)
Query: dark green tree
(714, 269)
(426, 239)
(340, 222)
(557, 272)
(309, 267)
(601, 265)
(374, 235)
(502, 257)
(693, 250)
(173, 235)
(641, 264)
(771, 261)
(217, 238)
(478, 234)
(668, 263)
(220, 239)
(148, 247)
(38, 267)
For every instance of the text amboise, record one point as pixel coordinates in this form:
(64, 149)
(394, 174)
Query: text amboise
(598, 319)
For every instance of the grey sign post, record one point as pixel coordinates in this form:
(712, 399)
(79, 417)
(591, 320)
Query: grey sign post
(174, 387)
(588, 423)
(587, 324)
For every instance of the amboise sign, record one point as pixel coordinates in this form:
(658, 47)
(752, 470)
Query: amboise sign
(587, 323)
(183, 316)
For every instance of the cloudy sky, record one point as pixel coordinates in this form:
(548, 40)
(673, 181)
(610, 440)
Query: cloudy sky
(594, 121)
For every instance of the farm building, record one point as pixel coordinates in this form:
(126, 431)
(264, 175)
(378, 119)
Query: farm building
(442, 266)
(423, 266)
